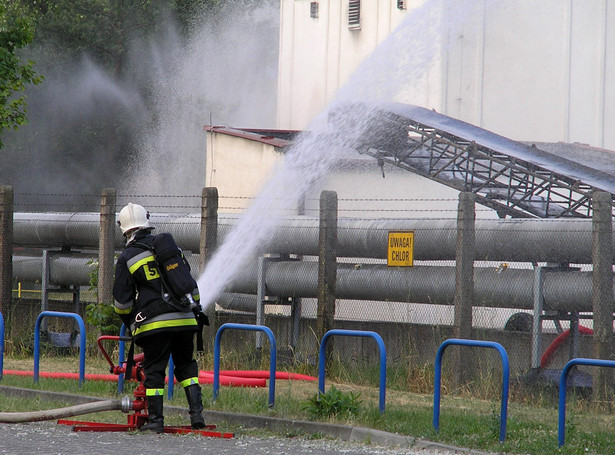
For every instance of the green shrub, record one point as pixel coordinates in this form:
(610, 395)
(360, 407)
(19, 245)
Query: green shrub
(101, 315)
(333, 403)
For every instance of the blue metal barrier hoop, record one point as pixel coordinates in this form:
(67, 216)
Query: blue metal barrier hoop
(356, 333)
(37, 341)
(272, 355)
(561, 430)
(505, 378)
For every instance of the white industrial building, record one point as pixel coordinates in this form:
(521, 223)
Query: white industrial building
(542, 72)
(534, 71)
(528, 70)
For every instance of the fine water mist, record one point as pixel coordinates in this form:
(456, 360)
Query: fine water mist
(401, 59)
(141, 130)
(82, 122)
(225, 73)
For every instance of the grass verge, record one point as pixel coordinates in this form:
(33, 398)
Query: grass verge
(465, 421)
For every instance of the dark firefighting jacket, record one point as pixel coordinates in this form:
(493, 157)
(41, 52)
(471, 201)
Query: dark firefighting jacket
(137, 291)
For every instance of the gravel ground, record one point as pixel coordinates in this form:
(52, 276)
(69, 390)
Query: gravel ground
(50, 439)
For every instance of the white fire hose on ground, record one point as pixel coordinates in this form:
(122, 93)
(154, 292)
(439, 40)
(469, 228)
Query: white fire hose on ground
(124, 404)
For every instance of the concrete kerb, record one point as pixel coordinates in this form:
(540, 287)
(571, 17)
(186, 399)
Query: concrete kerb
(342, 432)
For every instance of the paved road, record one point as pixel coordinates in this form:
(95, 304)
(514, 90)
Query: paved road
(49, 438)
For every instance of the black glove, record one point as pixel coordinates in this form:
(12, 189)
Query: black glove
(186, 302)
(126, 320)
(201, 318)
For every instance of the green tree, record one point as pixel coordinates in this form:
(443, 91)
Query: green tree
(116, 73)
(105, 29)
(16, 32)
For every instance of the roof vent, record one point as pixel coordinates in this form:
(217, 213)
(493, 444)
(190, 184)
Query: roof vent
(314, 10)
(354, 14)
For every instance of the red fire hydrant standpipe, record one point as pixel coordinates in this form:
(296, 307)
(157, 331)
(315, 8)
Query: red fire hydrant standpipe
(139, 404)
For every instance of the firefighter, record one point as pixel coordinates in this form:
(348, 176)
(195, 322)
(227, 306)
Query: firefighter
(158, 328)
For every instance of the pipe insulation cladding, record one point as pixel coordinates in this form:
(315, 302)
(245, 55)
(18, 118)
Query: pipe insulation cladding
(512, 240)
(512, 288)
(563, 290)
(551, 241)
(71, 269)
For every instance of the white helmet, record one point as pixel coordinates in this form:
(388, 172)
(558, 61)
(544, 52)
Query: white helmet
(132, 217)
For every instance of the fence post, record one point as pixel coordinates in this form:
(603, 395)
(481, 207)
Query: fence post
(45, 287)
(6, 247)
(207, 245)
(538, 295)
(327, 264)
(602, 298)
(209, 225)
(464, 283)
(106, 246)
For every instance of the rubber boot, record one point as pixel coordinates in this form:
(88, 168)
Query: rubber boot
(195, 406)
(155, 420)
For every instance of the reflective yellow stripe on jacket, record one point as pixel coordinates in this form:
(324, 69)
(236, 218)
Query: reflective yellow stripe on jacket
(145, 260)
(166, 321)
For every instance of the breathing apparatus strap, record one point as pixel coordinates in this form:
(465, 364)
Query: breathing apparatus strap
(152, 309)
(130, 360)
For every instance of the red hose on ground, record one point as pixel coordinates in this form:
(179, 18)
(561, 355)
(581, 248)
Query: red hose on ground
(264, 374)
(203, 379)
(237, 378)
(206, 377)
(46, 374)
(555, 344)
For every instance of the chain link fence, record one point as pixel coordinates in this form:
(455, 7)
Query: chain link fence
(412, 308)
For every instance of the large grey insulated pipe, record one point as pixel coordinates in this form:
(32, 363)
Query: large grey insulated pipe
(553, 240)
(512, 288)
(63, 269)
(567, 241)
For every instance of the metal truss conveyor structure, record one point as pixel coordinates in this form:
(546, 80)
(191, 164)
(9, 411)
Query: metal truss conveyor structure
(512, 178)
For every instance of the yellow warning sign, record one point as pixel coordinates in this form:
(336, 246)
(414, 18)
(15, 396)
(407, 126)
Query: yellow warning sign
(400, 249)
